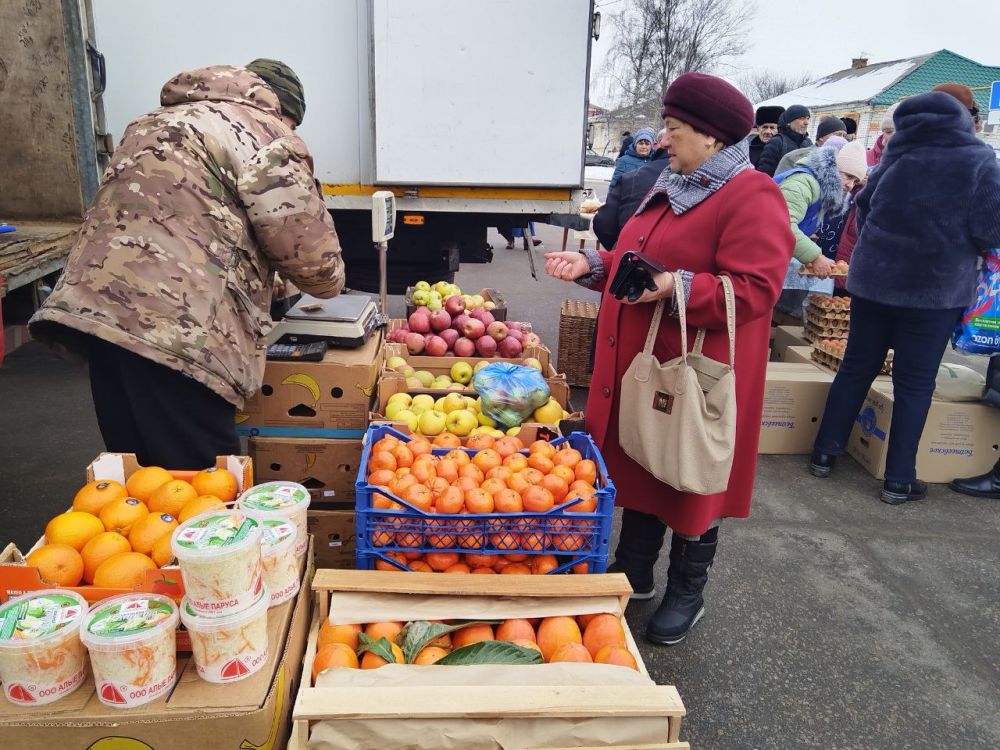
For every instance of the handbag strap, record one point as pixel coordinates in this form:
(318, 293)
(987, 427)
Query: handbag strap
(654, 325)
(727, 288)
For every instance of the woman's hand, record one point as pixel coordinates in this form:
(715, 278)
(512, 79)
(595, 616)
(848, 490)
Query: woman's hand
(568, 266)
(822, 267)
(664, 290)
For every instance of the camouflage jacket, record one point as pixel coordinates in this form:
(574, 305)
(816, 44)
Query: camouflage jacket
(204, 200)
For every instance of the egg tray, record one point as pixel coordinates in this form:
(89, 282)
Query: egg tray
(834, 274)
(826, 303)
(814, 333)
(827, 323)
(826, 313)
(833, 360)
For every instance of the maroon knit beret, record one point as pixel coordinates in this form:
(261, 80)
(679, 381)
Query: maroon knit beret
(710, 106)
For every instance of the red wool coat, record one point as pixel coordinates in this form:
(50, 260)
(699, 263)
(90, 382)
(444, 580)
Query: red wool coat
(742, 231)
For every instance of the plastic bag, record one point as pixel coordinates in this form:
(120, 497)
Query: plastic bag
(958, 383)
(509, 392)
(978, 332)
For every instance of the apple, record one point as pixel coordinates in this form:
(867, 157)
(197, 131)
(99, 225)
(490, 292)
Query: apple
(473, 329)
(431, 423)
(487, 317)
(453, 401)
(439, 405)
(422, 401)
(423, 310)
(407, 372)
(399, 335)
(395, 363)
(478, 300)
(441, 287)
(409, 418)
(419, 322)
(496, 331)
(436, 347)
(486, 346)
(394, 407)
(479, 366)
(421, 297)
(402, 398)
(461, 372)
(425, 378)
(459, 320)
(414, 383)
(455, 305)
(485, 421)
(434, 305)
(532, 362)
(450, 336)
(510, 348)
(464, 347)
(440, 320)
(548, 413)
(531, 339)
(472, 404)
(460, 421)
(515, 333)
(423, 286)
(414, 343)
(490, 304)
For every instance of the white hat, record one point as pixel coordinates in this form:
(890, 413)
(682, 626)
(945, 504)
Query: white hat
(852, 160)
(887, 117)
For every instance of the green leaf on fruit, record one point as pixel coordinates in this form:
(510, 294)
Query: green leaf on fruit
(382, 647)
(419, 634)
(490, 652)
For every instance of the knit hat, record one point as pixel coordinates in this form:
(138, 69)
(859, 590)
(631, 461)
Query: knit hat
(959, 91)
(709, 105)
(852, 160)
(851, 124)
(285, 84)
(836, 142)
(887, 117)
(644, 134)
(829, 125)
(765, 115)
(794, 113)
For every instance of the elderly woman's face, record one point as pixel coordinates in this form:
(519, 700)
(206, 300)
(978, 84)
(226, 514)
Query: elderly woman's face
(687, 148)
(643, 148)
(887, 133)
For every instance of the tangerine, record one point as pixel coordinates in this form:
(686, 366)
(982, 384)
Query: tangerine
(459, 456)
(440, 561)
(555, 485)
(479, 501)
(483, 570)
(57, 564)
(554, 632)
(218, 482)
(537, 499)
(420, 447)
(388, 630)
(565, 473)
(447, 440)
(333, 655)
(543, 447)
(571, 652)
(518, 482)
(452, 500)
(120, 515)
(74, 528)
(586, 471)
(145, 481)
(533, 475)
(516, 462)
(99, 549)
(343, 634)
(374, 661)
(541, 462)
(587, 505)
(382, 459)
(471, 634)
(419, 566)
(508, 445)
(200, 505)
(381, 477)
(93, 496)
(403, 455)
(172, 497)
(487, 459)
(162, 552)
(603, 630)
(613, 654)
(516, 569)
(567, 456)
(543, 564)
(480, 442)
(381, 564)
(148, 530)
(493, 486)
(514, 630)
(430, 655)
(458, 567)
(126, 570)
(472, 471)
(447, 468)
(508, 501)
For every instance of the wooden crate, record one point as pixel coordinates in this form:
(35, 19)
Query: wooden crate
(577, 328)
(482, 702)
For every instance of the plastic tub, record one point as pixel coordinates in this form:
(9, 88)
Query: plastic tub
(231, 647)
(278, 558)
(283, 500)
(132, 641)
(42, 657)
(219, 558)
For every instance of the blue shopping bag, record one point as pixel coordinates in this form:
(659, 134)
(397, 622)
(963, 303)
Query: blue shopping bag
(978, 332)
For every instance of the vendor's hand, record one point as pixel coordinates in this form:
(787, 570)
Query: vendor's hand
(567, 265)
(822, 267)
(664, 290)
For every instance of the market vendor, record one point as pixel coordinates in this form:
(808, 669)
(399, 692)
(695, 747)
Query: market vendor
(168, 287)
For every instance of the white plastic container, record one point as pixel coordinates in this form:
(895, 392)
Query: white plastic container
(132, 641)
(219, 558)
(42, 657)
(283, 500)
(231, 647)
(277, 555)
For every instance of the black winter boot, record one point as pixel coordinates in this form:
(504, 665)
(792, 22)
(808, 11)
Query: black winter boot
(638, 549)
(682, 604)
(985, 485)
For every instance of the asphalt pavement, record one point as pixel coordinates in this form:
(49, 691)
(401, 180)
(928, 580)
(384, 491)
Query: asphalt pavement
(833, 620)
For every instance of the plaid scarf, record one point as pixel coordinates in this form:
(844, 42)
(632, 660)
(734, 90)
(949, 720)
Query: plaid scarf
(685, 191)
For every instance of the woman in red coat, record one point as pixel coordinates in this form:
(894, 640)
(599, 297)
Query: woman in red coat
(710, 214)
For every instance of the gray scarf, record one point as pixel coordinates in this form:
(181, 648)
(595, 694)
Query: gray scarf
(685, 191)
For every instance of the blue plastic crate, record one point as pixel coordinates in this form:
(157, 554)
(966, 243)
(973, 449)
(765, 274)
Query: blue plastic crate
(573, 537)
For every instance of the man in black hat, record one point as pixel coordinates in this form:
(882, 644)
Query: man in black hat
(852, 128)
(766, 121)
(792, 129)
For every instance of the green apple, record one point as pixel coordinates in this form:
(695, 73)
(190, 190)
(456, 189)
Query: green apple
(394, 407)
(421, 297)
(434, 304)
(515, 431)
(477, 300)
(497, 434)
(549, 413)
(441, 287)
(439, 405)
(461, 372)
(408, 372)
(407, 416)
(441, 385)
(472, 404)
(485, 421)
(414, 383)
(532, 362)
(453, 402)
(480, 365)
(424, 401)
(395, 363)
(460, 422)
(423, 286)
(403, 398)
(431, 423)
(482, 430)
(425, 377)
(490, 304)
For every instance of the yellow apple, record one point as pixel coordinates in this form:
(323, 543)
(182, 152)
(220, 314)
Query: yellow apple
(461, 422)
(549, 413)
(424, 401)
(407, 416)
(453, 402)
(403, 398)
(431, 423)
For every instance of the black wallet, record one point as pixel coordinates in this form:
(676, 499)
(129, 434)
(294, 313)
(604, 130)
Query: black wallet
(634, 276)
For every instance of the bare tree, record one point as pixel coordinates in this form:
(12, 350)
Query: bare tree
(761, 85)
(658, 40)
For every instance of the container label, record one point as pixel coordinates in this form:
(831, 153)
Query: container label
(236, 603)
(129, 618)
(26, 694)
(35, 618)
(275, 498)
(276, 531)
(216, 532)
(124, 695)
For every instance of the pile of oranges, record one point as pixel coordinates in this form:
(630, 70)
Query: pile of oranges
(498, 477)
(115, 533)
(510, 563)
(597, 638)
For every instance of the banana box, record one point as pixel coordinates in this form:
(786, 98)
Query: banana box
(327, 399)
(327, 468)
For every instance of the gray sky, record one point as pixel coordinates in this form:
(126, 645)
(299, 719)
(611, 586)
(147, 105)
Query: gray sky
(804, 36)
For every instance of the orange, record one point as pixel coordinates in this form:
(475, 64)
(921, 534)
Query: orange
(466, 483)
(480, 442)
(387, 443)
(507, 501)
(420, 447)
(533, 475)
(452, 500)
(73, 528)
(554, 632)
(438, 485)
(473, 471)
(403, 455)
(612, 654)
(95, 495)
(477, 560)
(58, 564)
(471, 634)
(571, 652)
(500, 472)
(586, 471)
(198, 506)
(508, 445)
(457, 568)
(447, 468)
(382, 459)
(542, 564)
(172, 497)
(333, 655)
(218, 482)
(418, 496)
(381, 564)
(148, 530)
(518, 482)
(162, 553)
(516, 462)
(516, 569)
(446, 440)
(557, 486)
(565, 473)
(587, 505)
(493, 486)
(479, 501)
(566, 456)
(99, 549)
(441, 560)
(125, 570)
(121, 514)
(487, 459)
(373, 661)
(381, 477)
(483, 571)
(424, 471)
(515, 557)
(419, 566)
(387, 630)
(603, 630)
(541, 462)
(579, 484)
(147, 480)
(429, 655)
(537, 499)
(460, 457)
(527, 644)
(543, 447)
(514, 630)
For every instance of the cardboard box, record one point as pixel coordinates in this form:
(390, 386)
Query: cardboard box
(784, 337)
(960, 439)
(799, 355)
(328, 399)
(794, 399)
(196, 714)
(327, 468)
(333, 537)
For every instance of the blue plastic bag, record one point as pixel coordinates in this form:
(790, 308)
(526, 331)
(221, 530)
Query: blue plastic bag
(509, 392)
(978, 332)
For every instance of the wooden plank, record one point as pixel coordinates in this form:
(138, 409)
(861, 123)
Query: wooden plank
(656, 746)
(423, 584)
(675, 729)
(488, 702)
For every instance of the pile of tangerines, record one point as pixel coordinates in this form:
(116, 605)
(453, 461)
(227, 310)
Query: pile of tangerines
(597, 638)
(114, 534)
(489, 475)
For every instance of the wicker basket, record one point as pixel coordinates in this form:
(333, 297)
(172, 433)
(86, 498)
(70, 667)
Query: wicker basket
(577, 326)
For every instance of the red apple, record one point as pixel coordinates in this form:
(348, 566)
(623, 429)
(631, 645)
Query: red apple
(440, 320)
(459, 321)
(399, 335)
(419, 322)
(464, 348)
(473, 329)
(486, 346)
(531, 339)
(515, 333)
(423, 310)
(496, 331)
(415, 343)
(436, 347)
(510, 347)
(455, 305)
(487, 318)
(450, 335)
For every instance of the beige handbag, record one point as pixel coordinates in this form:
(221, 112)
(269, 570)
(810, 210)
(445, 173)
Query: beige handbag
(678, 419)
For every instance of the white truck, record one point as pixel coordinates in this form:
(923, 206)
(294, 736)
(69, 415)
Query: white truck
(472, 112)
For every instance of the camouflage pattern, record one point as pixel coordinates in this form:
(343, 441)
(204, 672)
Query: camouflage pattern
(284, 83)
(204, 200)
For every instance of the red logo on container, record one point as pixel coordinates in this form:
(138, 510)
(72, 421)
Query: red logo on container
(234, 669)
(19, 693)
(110, 694)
